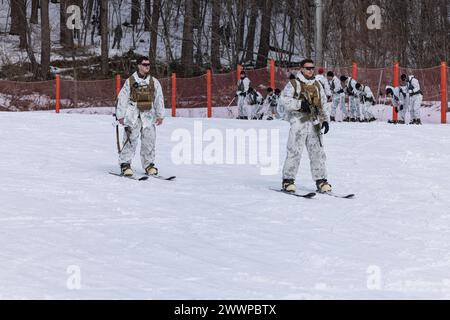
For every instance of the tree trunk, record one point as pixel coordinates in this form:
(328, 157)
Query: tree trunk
(87, 21)
(18, 21)
(104, 36)
(135, 11)
(34, 18)
(264, 40)
(154, 34)
(45, 40)
(22, 17)
(65, 34)
(148, 15)
(240, 31)
(15, 23)
(187, 49)
(250, 42)
(215, 37)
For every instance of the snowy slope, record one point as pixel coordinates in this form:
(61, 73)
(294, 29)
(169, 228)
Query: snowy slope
(218, 232)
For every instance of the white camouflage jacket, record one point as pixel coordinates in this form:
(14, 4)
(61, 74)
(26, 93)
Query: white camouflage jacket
(128, 110)
(292, 105)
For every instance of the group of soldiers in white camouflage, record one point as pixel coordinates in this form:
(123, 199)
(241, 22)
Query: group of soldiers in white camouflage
(408, 96)
(252, 105)
(302, 102)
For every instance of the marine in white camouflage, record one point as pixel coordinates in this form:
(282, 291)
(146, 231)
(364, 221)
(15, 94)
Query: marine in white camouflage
(304, 100)
(140, 107)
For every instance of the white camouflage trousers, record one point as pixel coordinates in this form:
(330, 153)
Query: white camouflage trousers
(242, 107)
(339, 101)
(402, 113)
(414, 105)
(301, 134)
(365, 110)
(148, 138)
(354, 107)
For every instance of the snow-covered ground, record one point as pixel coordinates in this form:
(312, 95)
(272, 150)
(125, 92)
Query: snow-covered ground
(218, 232)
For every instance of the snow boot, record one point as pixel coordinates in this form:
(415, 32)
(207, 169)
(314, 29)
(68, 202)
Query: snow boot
(413, 121)
(151, 170)
(126, 170)
(372, 119)
(347, 119)
(352, 120)
(401, 121)
(418, 121)
(289, 185)
(323, 185)
(332, 119)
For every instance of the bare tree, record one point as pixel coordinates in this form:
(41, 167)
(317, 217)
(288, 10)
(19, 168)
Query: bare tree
(215, 36)
(135, 11)
(154, 34)
(34, 12)
(45, 40)
(104, 36)
(147, 15)
(250, 42)
(187, 49)
(18, 21)
(264, 40)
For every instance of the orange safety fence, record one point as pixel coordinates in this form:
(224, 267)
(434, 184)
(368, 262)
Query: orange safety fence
(82, 94)
(27, 96)
(192, 93)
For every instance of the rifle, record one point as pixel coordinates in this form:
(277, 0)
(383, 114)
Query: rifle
(314, 114)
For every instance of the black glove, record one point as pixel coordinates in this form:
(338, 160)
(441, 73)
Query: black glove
(243, 94)
(305, 107)
(326, 126)
(401, 107)
(396, 109)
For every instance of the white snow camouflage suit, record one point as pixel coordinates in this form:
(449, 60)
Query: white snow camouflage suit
(338, 97)
(272, 102)
(242, 87)
(353, 100)
(399, 100)
(415, 97)
(139, 123)
(254, 104)
(302, 130)
(367, 100)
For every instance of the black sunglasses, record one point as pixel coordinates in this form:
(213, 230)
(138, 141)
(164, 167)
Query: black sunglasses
(145, 64)
(310, 68)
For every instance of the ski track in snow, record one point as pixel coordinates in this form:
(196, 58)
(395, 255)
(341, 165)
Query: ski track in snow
(217, 232)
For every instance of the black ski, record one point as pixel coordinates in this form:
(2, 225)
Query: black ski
(337, 195)
(171, 178)
(133, 177)
(333, 194)
(307, 195)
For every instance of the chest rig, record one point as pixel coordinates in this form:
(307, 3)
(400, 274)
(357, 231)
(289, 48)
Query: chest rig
(143, 94)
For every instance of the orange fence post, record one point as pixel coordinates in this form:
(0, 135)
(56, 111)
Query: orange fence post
(354, 70)
(444, 93)
(118, 84)
(58, 91)
(396, 84)
(238, 71)
(208, 92)
(272, 74)
(174, 94)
